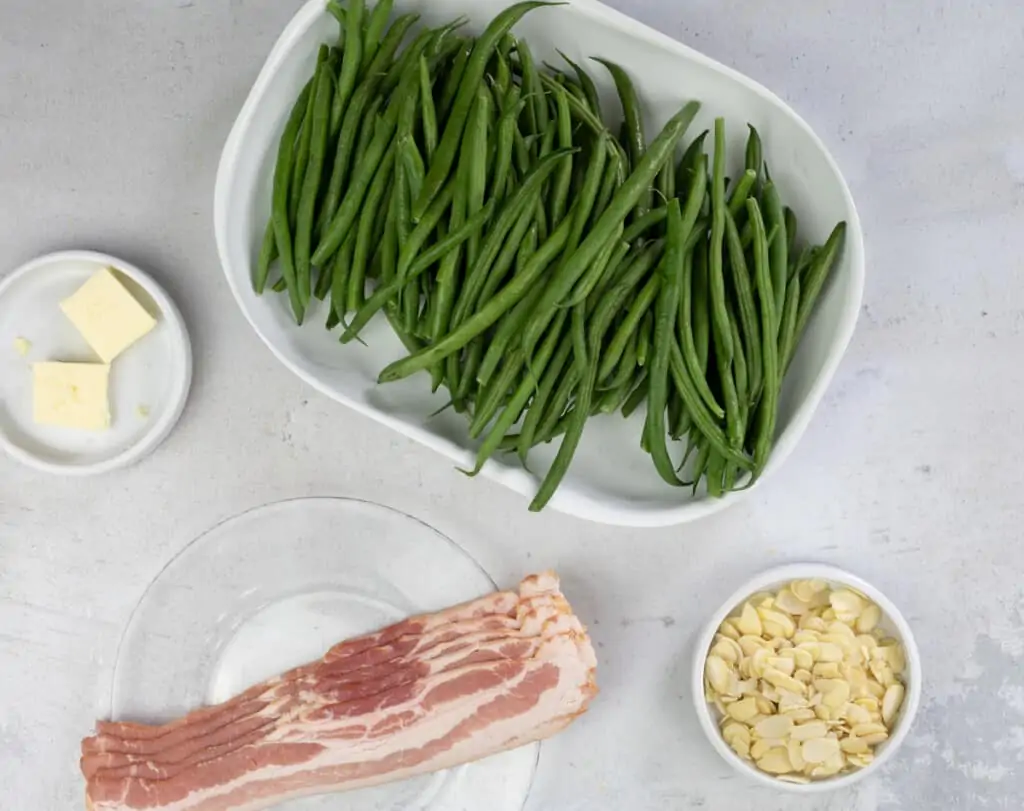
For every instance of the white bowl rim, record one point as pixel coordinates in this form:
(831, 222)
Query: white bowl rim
(162, 426)
(776, 576)
(592, 509)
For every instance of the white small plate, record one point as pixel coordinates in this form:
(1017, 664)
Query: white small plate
(149, 383)
(274, 588)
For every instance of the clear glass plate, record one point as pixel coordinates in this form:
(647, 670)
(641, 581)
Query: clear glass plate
(276, 587)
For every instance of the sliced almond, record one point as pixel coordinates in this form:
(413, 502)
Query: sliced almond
(891, 702)
(812, 622)
(803, 676)
(846, 604)
(800, 714)
(765, 706)
(728, 629)
(854, 746)
(733, 730)
(818, 750)
(829, 652)
(775, 761)
(823, 712)
(796, 758)
(777, 619)
(775, 726)
(743, 710)
(809, 731)
(749, 622)
(783, 682)
(741, 748)
(837, 696)
(803, 659)
(727, 649)
(869, 619)
(784, 664)
(826, 670)
(749, 643)
(787, 601)
(721, 677)
(863, 730)
(877, 738)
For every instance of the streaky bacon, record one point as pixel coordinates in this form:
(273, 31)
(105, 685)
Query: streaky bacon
(427, 693)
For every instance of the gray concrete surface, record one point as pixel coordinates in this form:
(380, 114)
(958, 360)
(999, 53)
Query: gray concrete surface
(112, 115)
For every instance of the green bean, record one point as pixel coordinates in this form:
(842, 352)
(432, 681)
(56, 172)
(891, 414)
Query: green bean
(814, 278)
(687, 164)
(563, 176)
(645, 223)
(702, 419)
(799, 264)
(447, 272)
(528, 193)
(744, 393)
(453, 80)
(768, 407)
(615, 249)
(626, 367)
(633, 122)
(549, 379)
(537, 112)
(393, 285)
(414, 243)
(509, 251)
(716, 276)
(741, 191)
(787, 331)
(486, 315)
(519, 398)
(444, 157)
(715, 475)
(474, 153)
(504, 144)
(311, 183)
(789, 219)
(305, 138)
(744, 295)
(688, 329)
(638, 395)
(282, 179)
(428, 116)
(700, 464)
(507, 333)
(355, 113)
(779, 251)
(666, 313)
(702, 315)
(587, 198)
(340, 225)
(643, 346)
(587, 84)
(527, 247)
(279, 286)
(338, 12)
(352, 56)
(625, 198)
(375, 26)
(268, 252)
(753, 158)
(632, 321)
(356, 294)
(341, 266)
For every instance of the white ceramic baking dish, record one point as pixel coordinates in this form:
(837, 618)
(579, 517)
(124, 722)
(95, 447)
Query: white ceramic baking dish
(611, 480)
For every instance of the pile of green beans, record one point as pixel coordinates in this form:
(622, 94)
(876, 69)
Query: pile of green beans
(538, 266)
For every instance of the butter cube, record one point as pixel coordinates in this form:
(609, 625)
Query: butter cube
(72, 395)
(107, 315)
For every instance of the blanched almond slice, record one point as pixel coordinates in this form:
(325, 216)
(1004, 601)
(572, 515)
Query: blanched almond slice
(877, 738)
(720, 675)
(823, 712)
(854, 746)
(829, 652)
(883, 673)
(869, 619)
(727, 649)
(818, 750)
(840, 628)
(759, 661)
(844, 601)
(826, 670)
(782, 681)
(775, 761)
(863, 730)
(856, 714)
(775, 726)
(742, 710)
(891, 702)
(796, 758)
(803, 658)
(787, 601)
(728, 628)
(764, 706)
(734, 729)
(807, 590)
(803, 676)
(837, 696)
(749, 643)
(860, 761)
(741, 748)
(809, 731)
(783, 663)
(779, 619)
(806, 635)
(800, 713)
(749, 622)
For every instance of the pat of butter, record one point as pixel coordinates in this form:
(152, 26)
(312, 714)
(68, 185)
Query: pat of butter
(72, 395)
(107, 315)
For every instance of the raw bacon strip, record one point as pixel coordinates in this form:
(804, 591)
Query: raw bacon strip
(425, 694)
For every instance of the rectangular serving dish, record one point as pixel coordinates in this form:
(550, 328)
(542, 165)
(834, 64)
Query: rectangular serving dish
(611, 480)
